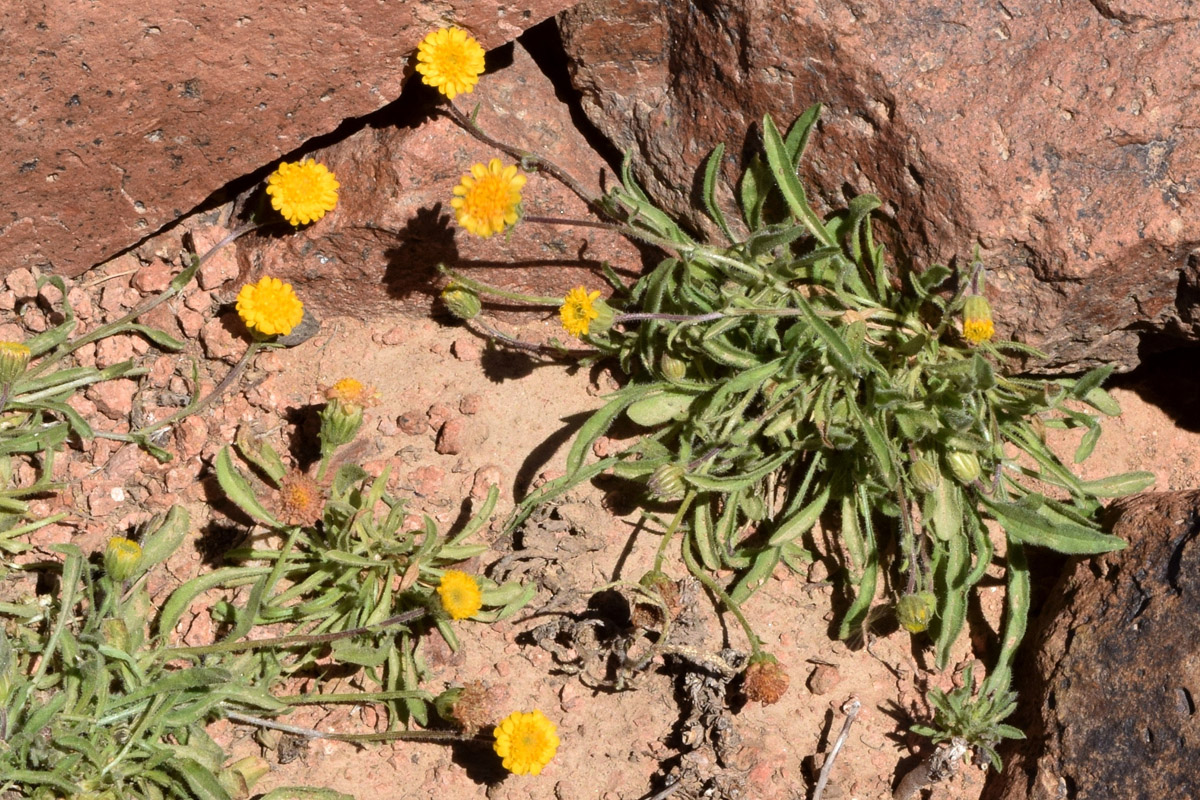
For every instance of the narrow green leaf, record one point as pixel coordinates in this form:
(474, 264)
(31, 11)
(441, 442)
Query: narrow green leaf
(1029, 527)
(1119, 485)
(802, 521)
(712, 171)
(237, 489)
(789, 184)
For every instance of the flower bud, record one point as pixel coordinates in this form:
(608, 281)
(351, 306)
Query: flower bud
(666, 482)
(339, 423)
(764, 679)
(122, 557)
(925, 475)
(603, 321)
(964, 465)
(672, 368)
(977, 319)
(461, 301)
(14, 357)
(915, 611)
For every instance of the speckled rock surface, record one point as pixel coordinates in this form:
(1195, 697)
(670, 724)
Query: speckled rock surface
(1114, 668)
(378, 253)
(122, 116)
(1060, 139)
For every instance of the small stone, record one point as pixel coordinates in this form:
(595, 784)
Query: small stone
(823, 679)
(387, 427)
(114, 298)
(413, 422)
(451, 438)
(471, 404)
(199, 301)
(427, 480)
(485, 478)
(8, 300)
(397, 335)
(104, 500)
(113, 350)
(178, 478)
(81, 303)
(222, 265)
(113, 399)
(191, 434)
(466, 348)
(22, 282)
(34, 320)
(152, 278)
(190, 322)
(218, 341)
(161, 371)
(438, 414)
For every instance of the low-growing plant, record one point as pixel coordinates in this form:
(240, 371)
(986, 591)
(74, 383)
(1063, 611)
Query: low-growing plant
(789, 375)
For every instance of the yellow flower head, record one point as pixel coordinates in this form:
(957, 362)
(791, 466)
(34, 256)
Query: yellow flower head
(14, 358)
(350, 392)
(300, 500)
(526, 741)
(977, 319)
(488, 199)
(269, 307)
(578, 310)
(122, 557)
(460, 594)
(302, 192)
(450, 61)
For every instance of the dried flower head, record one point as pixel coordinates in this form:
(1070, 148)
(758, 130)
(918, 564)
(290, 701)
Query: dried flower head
(269, 307)
(764, 679)
(14, 358)
(460, 594)
(302, 191)
(122, 557)
(300, 501)
(351, 392)
(578, 310)
(977, 319)
(470, 706)
(526, 741)
(488, 199)
(451, 61)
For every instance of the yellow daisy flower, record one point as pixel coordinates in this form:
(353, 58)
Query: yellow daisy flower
(977, 319)
(578, 310)
(526, 741)
(302, 192)
(269, 307)
(488, 199)
(460, 594)
(450, 61)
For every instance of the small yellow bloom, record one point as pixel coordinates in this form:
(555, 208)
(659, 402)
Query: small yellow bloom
(488, 199)
(526, 741)
(14, 358)
(460, 594)
(122, 557)
(269, 307)
(977, 319)
(302, 192)
(450, 61)
(351, 392)
(578, 310)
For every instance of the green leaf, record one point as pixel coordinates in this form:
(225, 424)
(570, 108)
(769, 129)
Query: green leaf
(169, 532)
(1092, 380)
(237, 489)
(1029, 527)
(712, 170)
(784, 171)
(1103, 402)
(1119, 485)
(802, 521)
(659, 408)
(758, 574)
(797, 137)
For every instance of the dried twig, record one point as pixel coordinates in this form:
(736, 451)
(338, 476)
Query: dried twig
(850, 708)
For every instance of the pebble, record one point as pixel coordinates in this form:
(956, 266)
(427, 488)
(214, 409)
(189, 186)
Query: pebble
(22, 282)
(466, 348)
(113, 350)
(485, 478)
(471, 404)
(113, 399)
(152, 278)
(427, 480)
(81, 303)
(438, 413)
(218, 341)
(190, 435)
(222, 265)
(823, 679)
(413, 422)
(190, 322)
(395, 336)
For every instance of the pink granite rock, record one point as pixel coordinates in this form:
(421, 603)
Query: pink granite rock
(123, 116)
(1060, 139)
(378, 252)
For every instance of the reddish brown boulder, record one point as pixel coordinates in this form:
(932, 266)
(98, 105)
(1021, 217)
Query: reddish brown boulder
(1111, 684)
(1060, 139)
(123, 116)
(378, 252)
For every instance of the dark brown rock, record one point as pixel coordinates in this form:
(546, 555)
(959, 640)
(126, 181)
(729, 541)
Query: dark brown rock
(122, 116)
(1114, 673)
(1059, 139)
(378, 252)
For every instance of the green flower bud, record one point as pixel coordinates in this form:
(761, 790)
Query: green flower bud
(977, 319)
(14, 357)
(603, 320)
(915, 611)
(122, 557)
(672, 368)
(964, 465)
(666, 483)
(461, 301)
(925, 475)
(339, 423)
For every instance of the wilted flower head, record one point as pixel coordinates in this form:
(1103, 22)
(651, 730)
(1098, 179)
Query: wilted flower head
(351, 392)
(269, 307)
(301, 501)
(302, 191)
(764, 679)
(451, 61)
(488, 198)
(526, 741)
